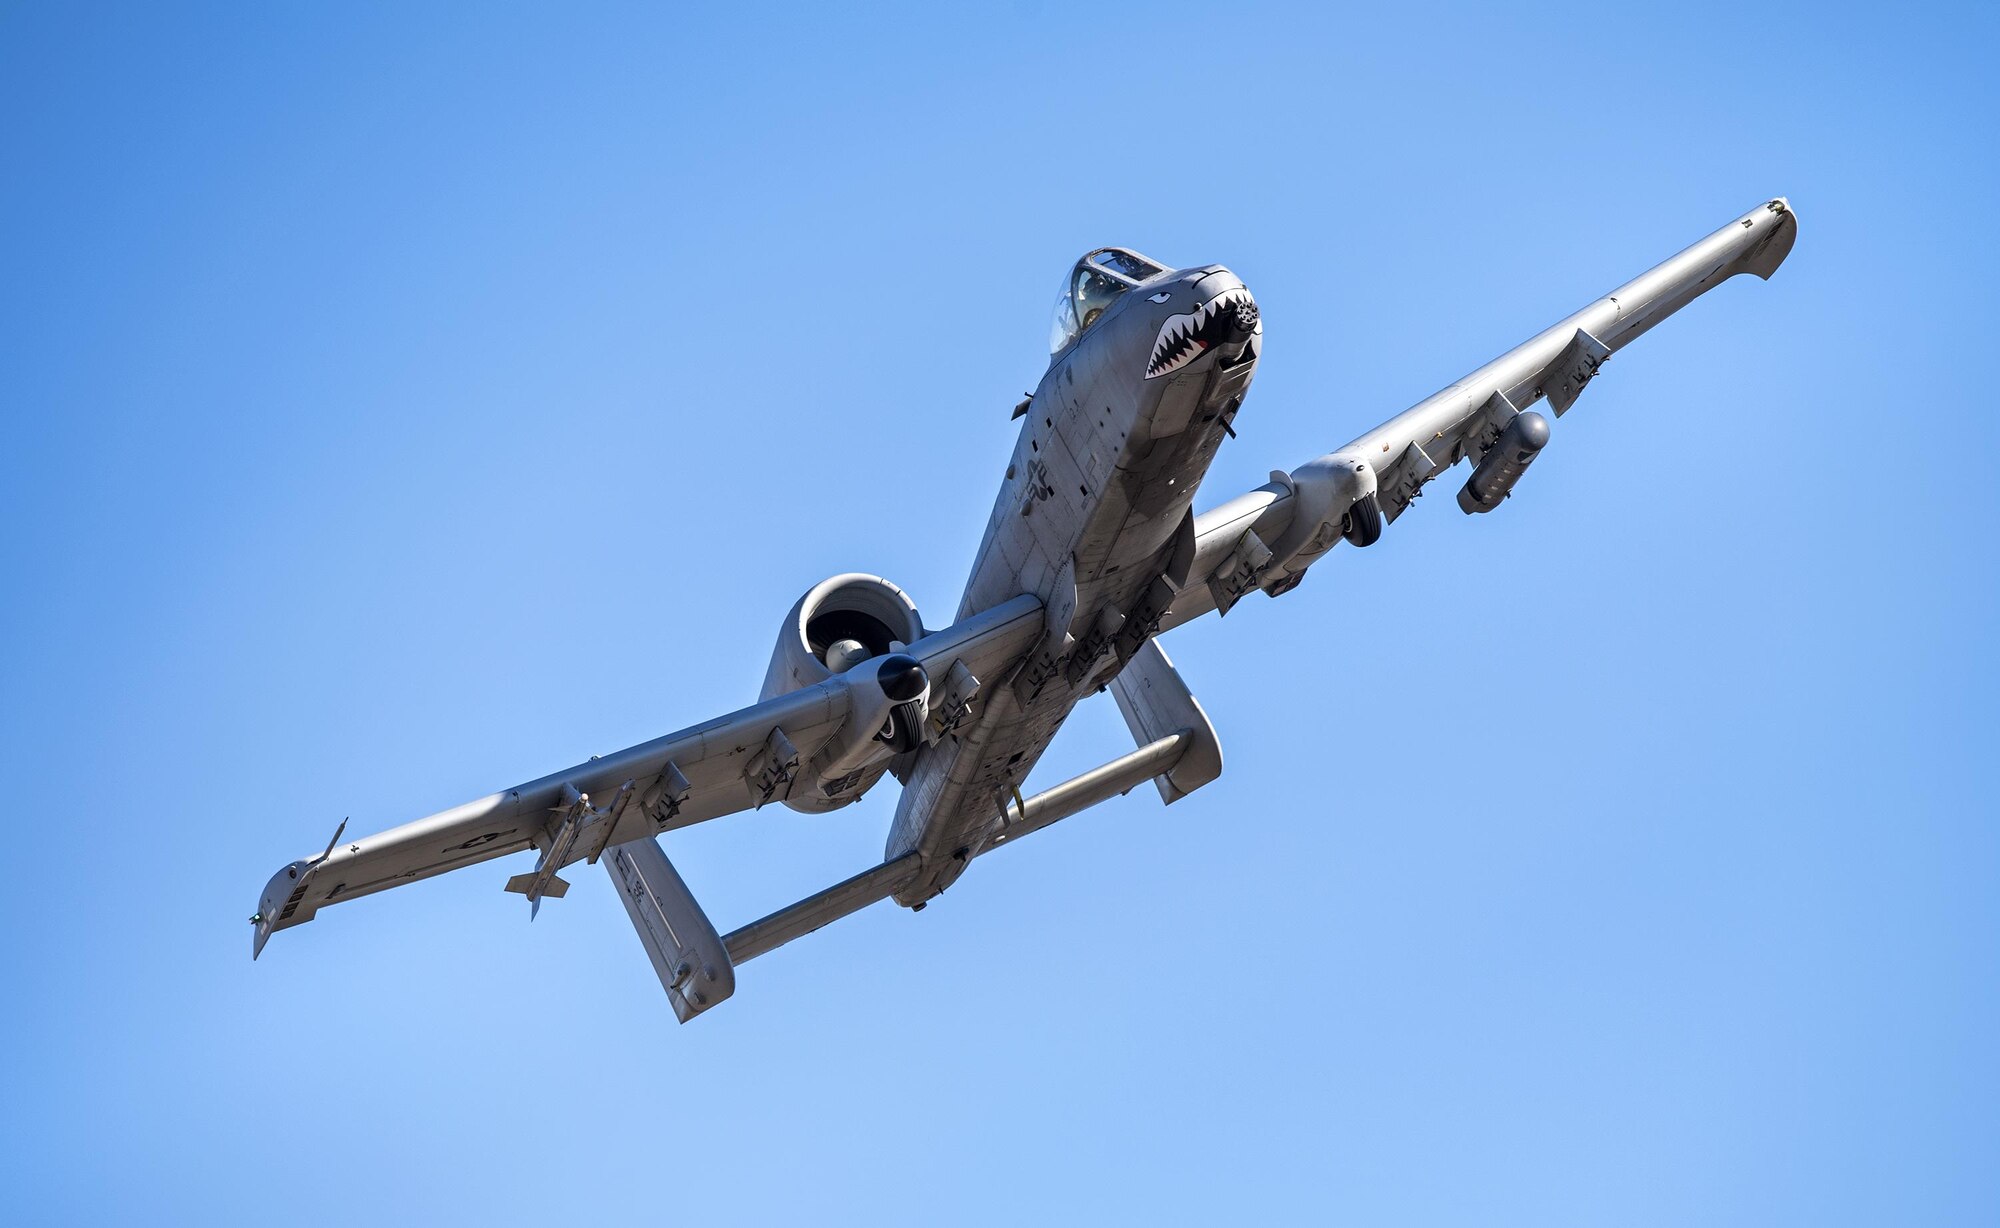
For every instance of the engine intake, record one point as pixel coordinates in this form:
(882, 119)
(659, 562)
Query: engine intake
(854, 626)
(838, 624)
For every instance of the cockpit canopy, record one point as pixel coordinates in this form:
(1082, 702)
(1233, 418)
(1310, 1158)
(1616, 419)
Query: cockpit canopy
(1092, 285)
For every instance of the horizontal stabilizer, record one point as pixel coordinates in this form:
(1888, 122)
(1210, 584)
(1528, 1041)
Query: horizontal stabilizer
(1099, 784)
(1157, 758)
(797, 920)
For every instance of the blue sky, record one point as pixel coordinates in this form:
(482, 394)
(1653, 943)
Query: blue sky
(403, 401)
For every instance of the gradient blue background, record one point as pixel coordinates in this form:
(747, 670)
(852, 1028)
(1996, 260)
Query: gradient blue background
(404, 402)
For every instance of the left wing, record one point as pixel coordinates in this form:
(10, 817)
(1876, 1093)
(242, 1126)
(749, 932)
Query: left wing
(733, 763)
(1267, 538)
(686, 777)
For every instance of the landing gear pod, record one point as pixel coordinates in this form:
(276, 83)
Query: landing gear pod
(1519, 444)
(1363, 523)
(1336, 498)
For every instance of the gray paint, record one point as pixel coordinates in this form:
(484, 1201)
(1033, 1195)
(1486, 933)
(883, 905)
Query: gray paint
(688, 956)
(1497, 473)
(1156, 703)
(1091, 549)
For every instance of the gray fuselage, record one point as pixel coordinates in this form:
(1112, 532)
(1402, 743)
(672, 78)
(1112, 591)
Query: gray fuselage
(1093, 518)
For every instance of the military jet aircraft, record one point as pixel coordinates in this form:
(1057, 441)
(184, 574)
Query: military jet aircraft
(1092, 551)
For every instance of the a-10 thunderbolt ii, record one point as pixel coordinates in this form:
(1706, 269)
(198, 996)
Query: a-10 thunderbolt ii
(1092, 551)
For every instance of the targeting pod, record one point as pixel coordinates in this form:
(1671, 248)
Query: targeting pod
(1520, 442)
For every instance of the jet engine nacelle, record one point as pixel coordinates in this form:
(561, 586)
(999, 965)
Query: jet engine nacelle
(853, 627)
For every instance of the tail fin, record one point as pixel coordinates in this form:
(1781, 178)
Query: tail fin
(691, 960)
(521, 884)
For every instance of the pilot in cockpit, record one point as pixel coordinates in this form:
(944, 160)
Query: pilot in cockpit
(1093, 284)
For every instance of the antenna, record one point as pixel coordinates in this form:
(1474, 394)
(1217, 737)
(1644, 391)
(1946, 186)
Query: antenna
(332, 842)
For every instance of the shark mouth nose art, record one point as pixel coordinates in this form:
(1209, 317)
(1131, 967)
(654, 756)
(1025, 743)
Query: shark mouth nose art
(1229, 316)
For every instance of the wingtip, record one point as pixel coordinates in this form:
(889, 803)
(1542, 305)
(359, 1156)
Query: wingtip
(1777, 245)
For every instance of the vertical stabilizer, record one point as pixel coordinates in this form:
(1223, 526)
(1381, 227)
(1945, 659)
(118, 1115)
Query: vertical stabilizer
(692, 963)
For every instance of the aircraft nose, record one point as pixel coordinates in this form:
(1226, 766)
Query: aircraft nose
(1220, 316)
(1216, 280)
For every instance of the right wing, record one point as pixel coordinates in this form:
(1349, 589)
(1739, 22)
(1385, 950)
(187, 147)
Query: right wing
(733, 763)
(1267, 538)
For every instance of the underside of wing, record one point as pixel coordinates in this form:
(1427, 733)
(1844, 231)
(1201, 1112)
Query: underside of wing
(683, 778)
(1266, 539)
(749, 758)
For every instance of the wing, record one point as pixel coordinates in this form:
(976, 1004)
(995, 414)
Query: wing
(733, 763)
(1267, 538)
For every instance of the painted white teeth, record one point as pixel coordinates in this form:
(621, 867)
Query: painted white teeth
(1178, 335)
